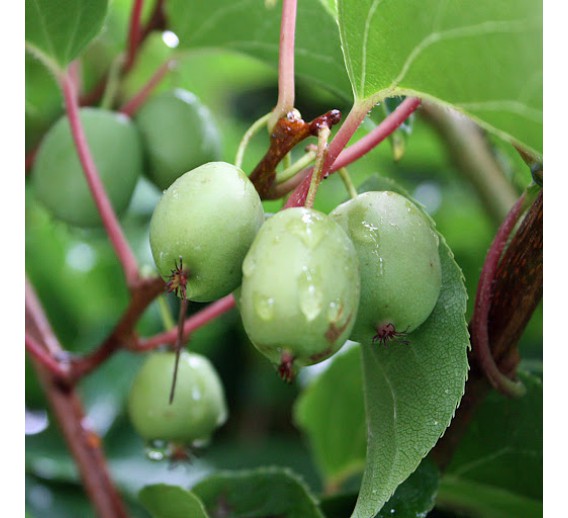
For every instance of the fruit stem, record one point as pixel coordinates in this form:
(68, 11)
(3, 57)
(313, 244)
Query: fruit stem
(251, 132)
(131, 106)
(199, 319)
(113, 83)
(317, 175)
(346, 178)
(179, 344)
(106, 211)
(42, 356)
(480, 318)
(286, 86)
(296, 167)
(134, 33)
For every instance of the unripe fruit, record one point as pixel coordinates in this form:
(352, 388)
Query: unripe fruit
(399, 261)
(300, 289)
(197, 409)
(58, 176)
(208, 217)
(178, 133)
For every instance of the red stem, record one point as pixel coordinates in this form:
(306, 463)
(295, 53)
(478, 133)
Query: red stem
(480, 318)
(339, 157)
(134, 35)
(108, 216)
(191, 324)
(132, 105)
(40, 354)
(286, 86)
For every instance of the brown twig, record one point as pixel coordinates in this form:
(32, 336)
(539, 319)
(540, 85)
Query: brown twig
(517, 291)
(84, 443)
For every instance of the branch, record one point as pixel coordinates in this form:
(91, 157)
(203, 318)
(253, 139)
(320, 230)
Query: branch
(134, 34)
(84, 443)
(517, 291)
(108, 216)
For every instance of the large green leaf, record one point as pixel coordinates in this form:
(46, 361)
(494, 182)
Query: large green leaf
(61, 30)
(164, 501)
(501, 454)
(331, 402)
(412, 391)
(257, 494)
(481, 56)
(249, 27)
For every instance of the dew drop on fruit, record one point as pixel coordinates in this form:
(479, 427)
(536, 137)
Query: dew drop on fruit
(249, 265)
(309, 294)
(196, 394)
(306, 229)
(264, 306)
(333, 311)
(156, 450)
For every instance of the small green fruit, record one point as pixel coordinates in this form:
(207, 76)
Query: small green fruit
(300, 289)
(198, 407)
(178, 133)
(399, 260)
(208, 217)
(58, 177)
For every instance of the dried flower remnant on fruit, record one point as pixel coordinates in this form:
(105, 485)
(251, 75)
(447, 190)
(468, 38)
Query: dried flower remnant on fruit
(177, 282)
(387, 333)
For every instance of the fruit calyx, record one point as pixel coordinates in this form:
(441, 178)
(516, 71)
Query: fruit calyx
(387, 333)
(286, 367)
(177, 281)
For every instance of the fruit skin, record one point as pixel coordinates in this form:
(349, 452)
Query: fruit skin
(399, 260)
(199, 405)
(178, 133)
(58, 177)
(209, 216)
(300, 289)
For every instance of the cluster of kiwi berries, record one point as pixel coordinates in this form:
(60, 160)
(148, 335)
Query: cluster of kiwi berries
(305, 282)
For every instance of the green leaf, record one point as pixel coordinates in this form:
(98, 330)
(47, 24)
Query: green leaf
(257, 494)
(414, 498)
(333, 400)
(501, 453)
(164, 501)
(251, 28)
(60, 30)
(412, 391)
(480, 56)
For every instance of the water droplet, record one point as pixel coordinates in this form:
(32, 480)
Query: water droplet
(196, 394)
(156, 450)
(309, 294)
(249, 265)
(333, 311)
(264, 306)
(307, 229)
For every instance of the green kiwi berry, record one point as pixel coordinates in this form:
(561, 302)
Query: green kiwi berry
(58, 177)
(399, 261)
(178, 133)
(197, 409)
(300, 289)
(207, 220)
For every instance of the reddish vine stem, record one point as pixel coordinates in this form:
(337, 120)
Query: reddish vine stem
(132, 105)
(123, 335)
(108, 216)
(517, 290)
(199, 319)
(134, 34)
(42, 356)
(84, 443)
(286, 86)
(479, 321)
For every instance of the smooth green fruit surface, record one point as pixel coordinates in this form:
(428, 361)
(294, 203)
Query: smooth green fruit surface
(179, 134)
(208, 217)
(399, 261)
(198, 407)
(300, 288)
(58, 176)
